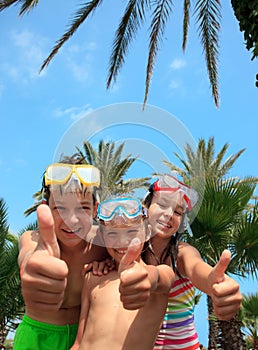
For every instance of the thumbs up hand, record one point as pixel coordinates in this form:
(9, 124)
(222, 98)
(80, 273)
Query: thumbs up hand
(132, 254)
(47, 239)
(225, 293)
(135, 285)
(44, 275)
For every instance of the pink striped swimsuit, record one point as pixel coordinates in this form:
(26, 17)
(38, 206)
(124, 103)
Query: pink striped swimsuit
(178, 330)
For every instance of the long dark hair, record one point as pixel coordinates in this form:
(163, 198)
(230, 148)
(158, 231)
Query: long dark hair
(170, 251)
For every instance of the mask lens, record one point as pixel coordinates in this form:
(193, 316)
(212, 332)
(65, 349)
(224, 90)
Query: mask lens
(88, 175)
(169, 183)
(57, 174)
(60, 173)
(130, 207)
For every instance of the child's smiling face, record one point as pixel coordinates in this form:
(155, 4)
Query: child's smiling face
(165, 213)
(117, 239)
(72, 214)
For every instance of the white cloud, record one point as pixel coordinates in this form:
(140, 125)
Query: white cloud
(74, 113)
(79, 60)
(25, 51)
(80, 71)
(177, 63)
(89, 46)
(174, 84)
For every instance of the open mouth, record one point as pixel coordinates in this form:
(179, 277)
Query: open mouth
(164, 224)
(72, 232)
(121, 251)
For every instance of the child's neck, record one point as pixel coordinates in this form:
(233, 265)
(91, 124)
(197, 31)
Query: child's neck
(159, 245)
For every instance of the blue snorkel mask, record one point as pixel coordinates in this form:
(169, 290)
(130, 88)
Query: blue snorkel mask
(124, 211)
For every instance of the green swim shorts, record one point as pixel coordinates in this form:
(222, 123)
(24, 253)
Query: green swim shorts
(35, 335)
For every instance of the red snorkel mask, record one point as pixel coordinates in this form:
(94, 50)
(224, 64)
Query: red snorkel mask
(170, 183)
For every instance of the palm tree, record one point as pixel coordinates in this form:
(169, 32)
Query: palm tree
(208, 18)
(249, 316)
(213, 166)
(113, 167)
(11, 305)
(222, 221)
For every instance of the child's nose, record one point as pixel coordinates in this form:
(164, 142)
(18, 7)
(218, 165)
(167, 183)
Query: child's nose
(72, 218)
(169, 211)
(123, 241)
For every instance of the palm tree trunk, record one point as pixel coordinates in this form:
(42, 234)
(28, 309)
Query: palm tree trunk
(213, 327)
(231, 336)
(3, 332)
(224, 335)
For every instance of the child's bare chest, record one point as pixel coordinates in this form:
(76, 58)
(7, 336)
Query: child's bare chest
(74, 283)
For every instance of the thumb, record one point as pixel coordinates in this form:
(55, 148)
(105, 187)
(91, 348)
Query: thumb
(221, 266)
(47, 231)
(133, 251)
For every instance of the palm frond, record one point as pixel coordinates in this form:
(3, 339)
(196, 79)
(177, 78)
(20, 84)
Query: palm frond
(38, 197)
(26, 5)
(161, 13)
(173, 168)
(79, 17)
(230, 162)
(209, 16)
(7, 3)
(90, 154)
(133, 16)
(244, 244)
(222, 206)
(187, 6)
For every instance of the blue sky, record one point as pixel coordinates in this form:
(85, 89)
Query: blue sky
(40, 111)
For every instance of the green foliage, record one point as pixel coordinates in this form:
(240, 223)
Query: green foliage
(11, 302)
(249, 317)
(246, 11)
(245, 238)
(219, 216)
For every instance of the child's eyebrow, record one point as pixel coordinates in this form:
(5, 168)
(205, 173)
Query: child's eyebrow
(59, 201)
(86, 201)
(108, 232)
(133, 230)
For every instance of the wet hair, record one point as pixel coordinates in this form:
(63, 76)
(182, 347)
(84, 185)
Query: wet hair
(171, 249)
(75, 159)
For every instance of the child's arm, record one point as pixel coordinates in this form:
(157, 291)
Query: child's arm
(213, 281)
(160, 277)
(85, 304)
